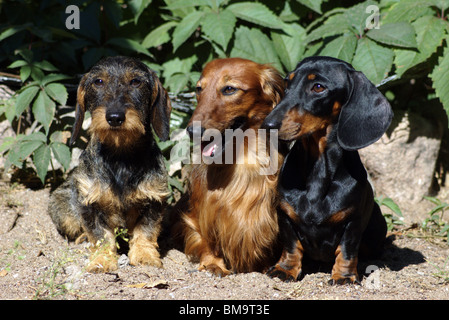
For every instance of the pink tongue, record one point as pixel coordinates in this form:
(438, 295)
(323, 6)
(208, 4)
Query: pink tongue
(209, 150)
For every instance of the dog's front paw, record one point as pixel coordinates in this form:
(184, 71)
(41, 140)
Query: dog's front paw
(285, 275)
(102, 262)
(343, 279)
(215, 270)
(144, 253)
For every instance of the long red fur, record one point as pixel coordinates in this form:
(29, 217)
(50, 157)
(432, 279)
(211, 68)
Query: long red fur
(231, 224)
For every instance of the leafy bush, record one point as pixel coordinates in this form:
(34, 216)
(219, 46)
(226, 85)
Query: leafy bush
(177, 37)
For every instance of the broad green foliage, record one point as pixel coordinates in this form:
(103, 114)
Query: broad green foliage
(400, 39)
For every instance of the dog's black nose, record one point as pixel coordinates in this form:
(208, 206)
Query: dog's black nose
(115, 119)
(271, 123)
(194, 130)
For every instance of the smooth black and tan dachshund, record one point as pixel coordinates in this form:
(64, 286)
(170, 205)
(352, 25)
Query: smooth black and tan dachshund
(328, 211)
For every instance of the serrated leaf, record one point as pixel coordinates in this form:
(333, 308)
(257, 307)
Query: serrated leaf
(44, 109)
(289, 47)
(24, 99)
(25, 72)
(62, 154)
(334, 25)
(357, 16)
(41, 160)
(177, 65)
(57, 92)
(408, 10)
(400, 34)
(219, 26)
(137, 7)
(440, 78)
(185, 28)
(181, 4)
(430, 32)
(315, 5)
(252, 44)
(256, 13)
(45, 65)
(35, 136)
(52, 77)
(342, 47)
(20, 150)
(373, 60)
(159, 35)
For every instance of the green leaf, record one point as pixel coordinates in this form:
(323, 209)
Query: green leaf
(20, 150)
(25, 72)
(400, 34)
(254, 45)
(41, 160)
(62, 154)
(256, 13)
(181, 4)
(13, 30)
(315, 5)
(408, 10)
(129, 44)
(137, 7)
(430, 32)
(185, 28)
(373, 60)
(45, 65)
(44, 109)
(440, 78)
(178, 82)
(159, 35)
(389, 203)
(52, 77)
(177, 73)
(357, 16)
(17, 64)
(35, 136)
(289, 47)
(219, 26)
(342, 47)
(24, 99)
(57, 92)
(334, 25)
(177, 65)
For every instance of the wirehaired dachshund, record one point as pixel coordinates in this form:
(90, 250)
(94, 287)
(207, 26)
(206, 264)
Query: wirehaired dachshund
(231, 223)
(328, 212)
(120, 184)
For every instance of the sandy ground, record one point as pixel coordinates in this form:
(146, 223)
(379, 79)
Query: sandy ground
(37, 263)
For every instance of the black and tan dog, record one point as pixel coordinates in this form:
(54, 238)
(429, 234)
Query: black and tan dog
(121, 181)
(328, 213)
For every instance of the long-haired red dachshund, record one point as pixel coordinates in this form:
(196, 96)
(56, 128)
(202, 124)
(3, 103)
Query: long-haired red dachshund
(231, 223)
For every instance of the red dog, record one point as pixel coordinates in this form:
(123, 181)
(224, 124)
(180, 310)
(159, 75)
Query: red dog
(231, 224)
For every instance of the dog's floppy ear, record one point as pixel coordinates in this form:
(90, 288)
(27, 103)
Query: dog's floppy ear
(272, 84)
(160, 112)
(79, 111)
(365, 116)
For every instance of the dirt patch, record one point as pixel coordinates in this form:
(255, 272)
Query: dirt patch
(37, 263)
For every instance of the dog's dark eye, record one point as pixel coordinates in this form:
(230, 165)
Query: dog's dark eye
(198, 90)
(318, 88)
(99, 82)
(135, 83)
(228, 90)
